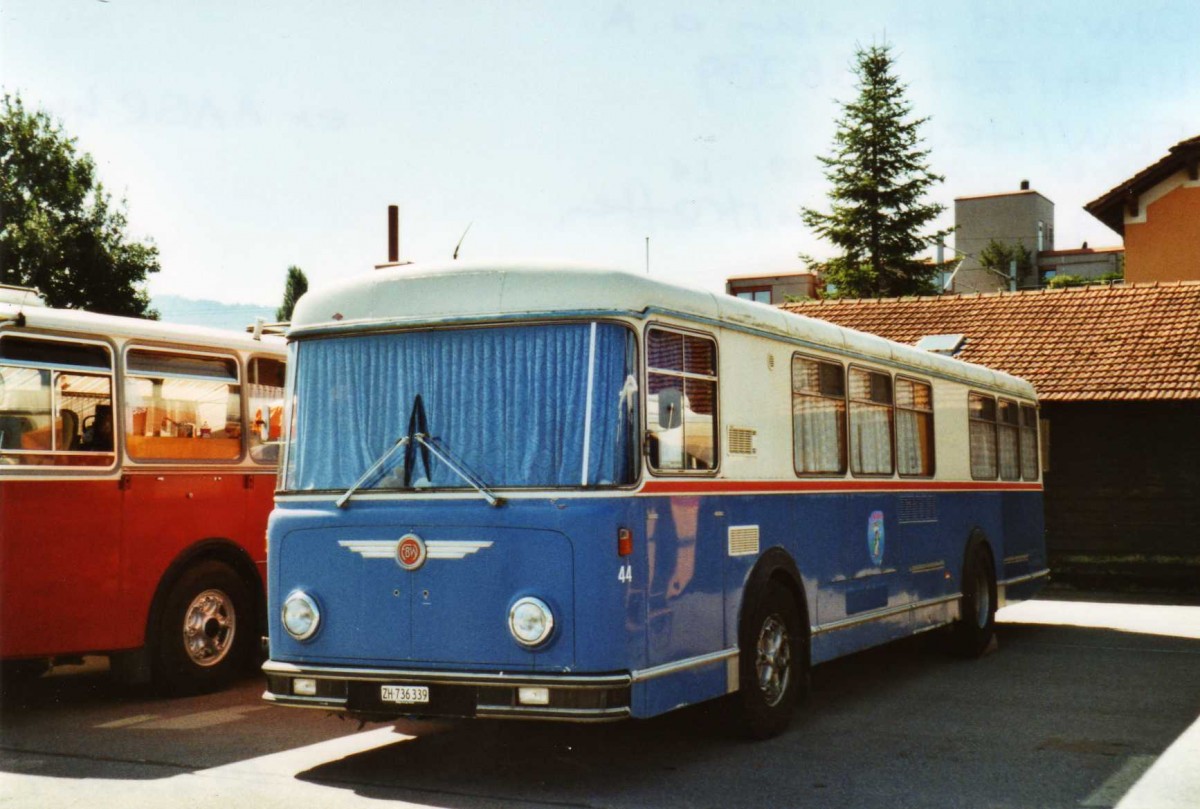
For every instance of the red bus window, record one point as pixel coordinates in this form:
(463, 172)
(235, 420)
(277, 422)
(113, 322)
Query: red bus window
(55, 403)
(182, 407)
(264, 397)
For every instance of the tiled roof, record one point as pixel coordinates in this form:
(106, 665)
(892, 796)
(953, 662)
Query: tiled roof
(1133, 342)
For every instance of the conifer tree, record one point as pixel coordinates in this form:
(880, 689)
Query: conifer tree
(880, 175)
(296, 285)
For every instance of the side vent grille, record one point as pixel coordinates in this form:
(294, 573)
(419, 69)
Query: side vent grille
(741, 441)
(743, 540)
(917, 508)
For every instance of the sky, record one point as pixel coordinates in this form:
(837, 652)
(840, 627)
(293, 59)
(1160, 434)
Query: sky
(247, 137)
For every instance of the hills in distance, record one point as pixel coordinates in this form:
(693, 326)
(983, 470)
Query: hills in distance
(214, 314)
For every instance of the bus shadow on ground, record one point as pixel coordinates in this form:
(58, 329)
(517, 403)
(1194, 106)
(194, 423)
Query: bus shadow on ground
(1043, 721)
(81, 723)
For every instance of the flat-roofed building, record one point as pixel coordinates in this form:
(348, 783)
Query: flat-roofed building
(773, 288)
(1022, 217)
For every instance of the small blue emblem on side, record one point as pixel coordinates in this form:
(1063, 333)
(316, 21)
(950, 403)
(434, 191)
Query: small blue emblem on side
(875, 537)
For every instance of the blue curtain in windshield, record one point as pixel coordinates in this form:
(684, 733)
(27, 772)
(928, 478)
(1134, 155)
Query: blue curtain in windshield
(510, 402)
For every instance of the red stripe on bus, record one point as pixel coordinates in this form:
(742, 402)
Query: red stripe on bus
(771, 486)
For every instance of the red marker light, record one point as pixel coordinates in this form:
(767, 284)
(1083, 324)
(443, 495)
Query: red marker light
(624, 542)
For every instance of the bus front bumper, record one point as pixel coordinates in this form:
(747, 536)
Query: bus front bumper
(372, 693)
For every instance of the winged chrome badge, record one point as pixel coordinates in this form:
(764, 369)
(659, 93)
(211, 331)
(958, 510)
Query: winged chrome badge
(435, 548)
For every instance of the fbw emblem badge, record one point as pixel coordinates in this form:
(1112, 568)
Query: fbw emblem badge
(410, 552)
(875, 537)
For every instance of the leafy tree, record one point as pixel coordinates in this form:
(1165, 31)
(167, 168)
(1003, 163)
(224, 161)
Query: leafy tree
(296, 285)
(1061, 281)
(61, 231)
(879, 174)
(998, 257)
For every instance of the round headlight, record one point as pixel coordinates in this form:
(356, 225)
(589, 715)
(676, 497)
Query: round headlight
(300, 615)
(530, 621)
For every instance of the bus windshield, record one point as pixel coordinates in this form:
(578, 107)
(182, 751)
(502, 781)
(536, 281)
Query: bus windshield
(531, 406)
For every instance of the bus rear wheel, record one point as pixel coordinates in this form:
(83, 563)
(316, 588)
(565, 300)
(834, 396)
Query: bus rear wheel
(205, 631)
(976, 623)
(773, 665)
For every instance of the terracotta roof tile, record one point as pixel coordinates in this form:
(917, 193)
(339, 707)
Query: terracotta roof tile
(1128, 342)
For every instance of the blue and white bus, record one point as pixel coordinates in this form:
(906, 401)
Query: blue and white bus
(580, 494)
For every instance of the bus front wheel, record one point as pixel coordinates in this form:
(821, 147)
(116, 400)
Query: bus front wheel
(773, 666)
(976, 624)
(205, 632)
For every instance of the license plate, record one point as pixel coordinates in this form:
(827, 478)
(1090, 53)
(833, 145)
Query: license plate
(404, 694)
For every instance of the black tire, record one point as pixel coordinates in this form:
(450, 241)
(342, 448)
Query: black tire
(773, 664)
(205, 632)
(976, 624)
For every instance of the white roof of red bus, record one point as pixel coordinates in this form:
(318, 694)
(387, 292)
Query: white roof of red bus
(85, 324)
(426, 294)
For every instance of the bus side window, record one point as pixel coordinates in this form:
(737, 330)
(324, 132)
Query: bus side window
(914, 428)
(818, 417)
(870, 422)
(1008, 443)
(981, 414)
(264, 398)
(181, 406)
(1029, 443)
(50, 392)
(681, 401)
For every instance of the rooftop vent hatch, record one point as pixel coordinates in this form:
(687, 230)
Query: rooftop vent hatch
(947, 344)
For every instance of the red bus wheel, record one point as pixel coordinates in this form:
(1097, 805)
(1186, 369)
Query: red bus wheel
(206, 630)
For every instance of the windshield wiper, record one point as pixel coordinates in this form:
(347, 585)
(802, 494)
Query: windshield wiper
(372, 470)
(418, 435)
(443, 454)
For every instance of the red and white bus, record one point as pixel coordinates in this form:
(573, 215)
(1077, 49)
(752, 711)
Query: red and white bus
(137, 470)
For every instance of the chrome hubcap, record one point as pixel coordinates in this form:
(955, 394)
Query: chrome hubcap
(209, 624)
(774, 659)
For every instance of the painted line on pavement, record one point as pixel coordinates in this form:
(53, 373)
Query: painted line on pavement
(127, 721)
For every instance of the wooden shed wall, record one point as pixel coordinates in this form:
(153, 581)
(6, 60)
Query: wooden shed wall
(1123, 493)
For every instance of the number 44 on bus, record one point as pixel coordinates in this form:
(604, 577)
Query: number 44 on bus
(577, 494)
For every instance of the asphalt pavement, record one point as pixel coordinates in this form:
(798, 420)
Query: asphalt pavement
(1090, 703)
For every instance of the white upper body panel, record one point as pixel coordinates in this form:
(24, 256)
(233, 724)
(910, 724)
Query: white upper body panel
(429, 294)
(40, 317)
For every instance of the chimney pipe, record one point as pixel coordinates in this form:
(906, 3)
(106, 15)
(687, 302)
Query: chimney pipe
(1024, 185)
(393, 234)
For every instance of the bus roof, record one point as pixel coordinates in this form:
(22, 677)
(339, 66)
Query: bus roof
(83, 323)
(461, 292)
